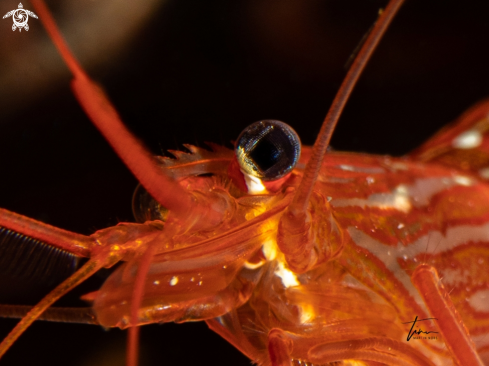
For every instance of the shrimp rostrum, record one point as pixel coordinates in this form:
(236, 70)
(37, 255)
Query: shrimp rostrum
(295, 255)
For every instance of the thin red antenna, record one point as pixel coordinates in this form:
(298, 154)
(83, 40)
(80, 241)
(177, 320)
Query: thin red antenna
(50, 26)
(300, 202)
(87, 270)
(137, 158)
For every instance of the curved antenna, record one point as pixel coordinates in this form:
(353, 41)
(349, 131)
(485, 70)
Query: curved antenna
(300, 202)
(137, 158)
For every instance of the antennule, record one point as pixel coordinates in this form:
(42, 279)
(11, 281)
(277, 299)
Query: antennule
(303, 193)
(295, 222)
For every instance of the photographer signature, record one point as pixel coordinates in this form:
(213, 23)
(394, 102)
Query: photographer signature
(419, 331)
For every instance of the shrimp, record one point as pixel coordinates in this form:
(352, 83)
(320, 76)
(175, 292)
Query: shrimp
(70, 205)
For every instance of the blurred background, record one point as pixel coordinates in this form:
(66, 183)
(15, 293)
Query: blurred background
(189, 71)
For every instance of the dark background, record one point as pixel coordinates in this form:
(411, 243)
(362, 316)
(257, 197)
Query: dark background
(199, 71)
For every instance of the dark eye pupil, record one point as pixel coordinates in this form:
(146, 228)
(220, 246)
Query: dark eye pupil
(268, 149)
(265, 154)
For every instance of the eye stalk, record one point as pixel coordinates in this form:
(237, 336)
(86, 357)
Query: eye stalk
(268, 150)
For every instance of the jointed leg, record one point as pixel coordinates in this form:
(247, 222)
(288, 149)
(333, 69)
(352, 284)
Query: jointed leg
(137, 299)
(59, 315)
(279, 348)
(377, 349)
(62, 239)
(456, 335)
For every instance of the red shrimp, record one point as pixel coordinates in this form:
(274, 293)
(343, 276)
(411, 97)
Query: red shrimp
(86, 217)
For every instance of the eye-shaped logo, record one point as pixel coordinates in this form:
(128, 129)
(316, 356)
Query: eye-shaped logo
(20, 17)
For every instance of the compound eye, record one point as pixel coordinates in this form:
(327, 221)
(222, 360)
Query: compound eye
(268, 149)
(145, 208)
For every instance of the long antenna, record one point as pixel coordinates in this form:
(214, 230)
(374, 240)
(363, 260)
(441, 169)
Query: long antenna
(300, 202)
(137, 158)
